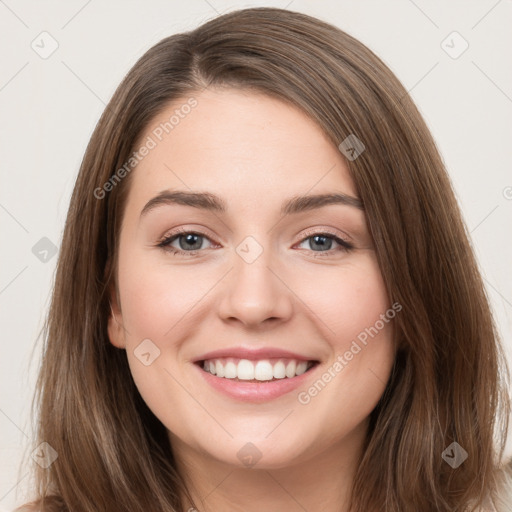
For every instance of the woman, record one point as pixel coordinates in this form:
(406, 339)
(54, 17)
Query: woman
(323, 343)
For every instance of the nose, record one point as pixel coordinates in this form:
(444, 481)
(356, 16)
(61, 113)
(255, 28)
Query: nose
(255, 293)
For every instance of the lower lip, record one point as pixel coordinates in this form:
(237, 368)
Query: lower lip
(256, 391)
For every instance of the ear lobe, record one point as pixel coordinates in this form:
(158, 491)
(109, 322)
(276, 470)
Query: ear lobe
(115, 328)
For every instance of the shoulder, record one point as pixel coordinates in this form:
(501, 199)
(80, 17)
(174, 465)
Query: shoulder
(52, 503)
(502, 498)
(28, 507)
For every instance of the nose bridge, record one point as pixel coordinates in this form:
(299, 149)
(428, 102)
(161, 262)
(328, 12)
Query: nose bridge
(254, 291)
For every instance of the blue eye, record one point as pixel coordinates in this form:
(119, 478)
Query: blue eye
(186, 240)
(325, 241)
(190, 243)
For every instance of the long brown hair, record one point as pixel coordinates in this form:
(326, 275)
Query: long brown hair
(450, 378)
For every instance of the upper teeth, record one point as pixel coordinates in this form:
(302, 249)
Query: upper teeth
(265, 369)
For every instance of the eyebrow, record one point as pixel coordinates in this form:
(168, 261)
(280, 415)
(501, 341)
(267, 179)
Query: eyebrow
(211, 202)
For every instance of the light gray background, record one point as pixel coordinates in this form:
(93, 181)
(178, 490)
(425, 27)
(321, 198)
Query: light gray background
(49, 107)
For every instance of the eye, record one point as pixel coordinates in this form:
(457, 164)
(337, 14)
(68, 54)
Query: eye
(324, 242)
(191, 242)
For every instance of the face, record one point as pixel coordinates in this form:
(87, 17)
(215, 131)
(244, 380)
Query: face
(257, 290)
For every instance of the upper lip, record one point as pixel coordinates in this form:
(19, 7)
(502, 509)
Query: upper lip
(252, 354)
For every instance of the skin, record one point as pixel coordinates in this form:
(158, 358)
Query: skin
(254, 152)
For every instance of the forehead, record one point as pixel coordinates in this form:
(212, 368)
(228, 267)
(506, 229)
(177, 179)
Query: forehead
(240, 145)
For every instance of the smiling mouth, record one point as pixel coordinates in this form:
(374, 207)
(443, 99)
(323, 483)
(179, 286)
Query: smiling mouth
(263, 370)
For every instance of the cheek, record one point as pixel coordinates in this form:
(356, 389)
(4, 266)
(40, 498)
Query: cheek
(358, 319)
(156, 296)
(346, 300)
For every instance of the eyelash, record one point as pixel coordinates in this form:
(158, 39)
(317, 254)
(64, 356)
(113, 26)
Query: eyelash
(345, 246)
